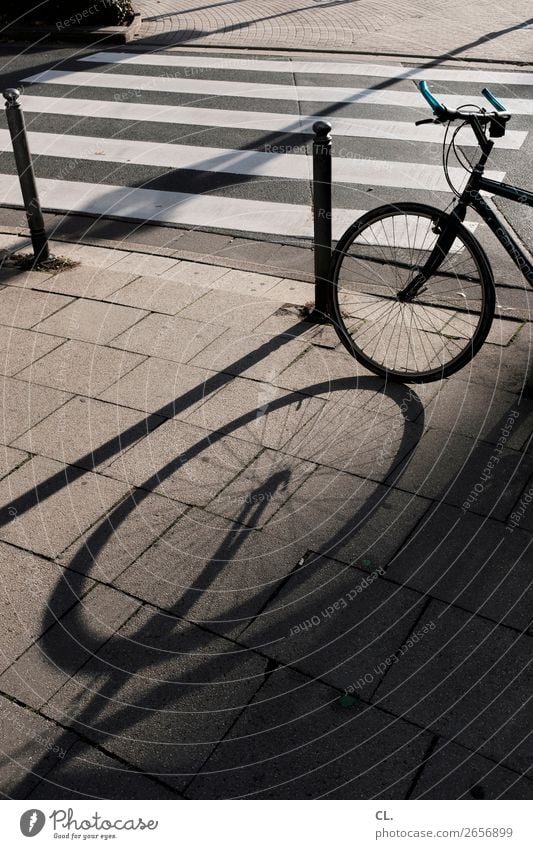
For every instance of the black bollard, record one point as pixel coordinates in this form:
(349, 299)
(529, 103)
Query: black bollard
(17, 130)
(322, 218)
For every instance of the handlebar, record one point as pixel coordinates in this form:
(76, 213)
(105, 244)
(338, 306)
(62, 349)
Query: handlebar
(442, 113)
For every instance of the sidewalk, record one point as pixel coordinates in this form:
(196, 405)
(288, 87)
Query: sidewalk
(482, 30)
(235, 564)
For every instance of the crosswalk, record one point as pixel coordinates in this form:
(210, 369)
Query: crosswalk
(223, 143)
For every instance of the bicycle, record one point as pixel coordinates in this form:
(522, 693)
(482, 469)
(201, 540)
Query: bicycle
(413, 293)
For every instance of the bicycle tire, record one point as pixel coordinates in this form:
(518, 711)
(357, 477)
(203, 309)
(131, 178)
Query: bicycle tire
(456, 316)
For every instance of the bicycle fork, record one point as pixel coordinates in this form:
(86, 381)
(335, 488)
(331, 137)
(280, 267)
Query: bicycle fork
(446, 237)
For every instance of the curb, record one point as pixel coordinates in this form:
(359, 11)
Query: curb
(111, 35)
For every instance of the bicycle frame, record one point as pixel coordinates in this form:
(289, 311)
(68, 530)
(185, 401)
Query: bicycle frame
(471, 197)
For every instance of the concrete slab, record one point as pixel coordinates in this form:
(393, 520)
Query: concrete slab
(294, 741)
(91, 321)
(469, 561)
(19, 348)
(453, 772)
(335, 623)
(88, 433)
(110, 546)
(468, 679)
(26, 308)
(183, 462)
(62, 651)
(33, 593)
(81, 368)
(158, 294)
(44, 507)
(168, 337)
(351, 519)
(212, 572)
(173, 390)
(163, 693)
(25, 404)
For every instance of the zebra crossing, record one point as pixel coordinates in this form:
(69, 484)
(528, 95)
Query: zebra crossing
(223, 143)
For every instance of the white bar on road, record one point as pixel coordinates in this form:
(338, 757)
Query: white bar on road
(271, 122)
(207, 211)
(254, 91)
(251, 163)
(361, 69)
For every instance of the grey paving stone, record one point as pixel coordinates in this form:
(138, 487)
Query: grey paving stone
(44, 507)
(351, 519)
(473, 410)
(19, 348)
(168, 337)
(171, 389)
(31, 747)
(106, 549)
(292, 292)
(452, 772)
(184, 462)
(86, 432)
(260, 412)
(23, 279)
(468, 679)
(202, 243)
(81, 367)
(144, 263)
(65, 647)
(335, 623)
(26, 307)
(329, 374)
(368, 439)
(161, 694)
(262, 488)
(252, 355)
(196, 273)
(97, 257)
(243, 281)
(502, 332)
(471, 562)
(287, 320)
(10, 458)
(230, 309)
(294, 741)
(211, 571)
(450, 467)
(24, 405)
(86, 281)
(158, 294)
(500, 368)
(521, 515)
(88, 773)
(91, 321)
(33, 593)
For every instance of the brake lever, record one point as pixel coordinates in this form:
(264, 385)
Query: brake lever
(426, 121)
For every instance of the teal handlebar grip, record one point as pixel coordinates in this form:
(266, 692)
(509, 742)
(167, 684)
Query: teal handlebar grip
(437, 107)
(486, 92)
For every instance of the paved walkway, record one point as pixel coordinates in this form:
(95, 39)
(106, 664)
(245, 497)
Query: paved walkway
(234, 564)
(480, 30)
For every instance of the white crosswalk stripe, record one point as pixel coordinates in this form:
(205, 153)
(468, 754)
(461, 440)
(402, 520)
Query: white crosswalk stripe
(249, 163)
(167, 137)
(264, 91)
(292, 66)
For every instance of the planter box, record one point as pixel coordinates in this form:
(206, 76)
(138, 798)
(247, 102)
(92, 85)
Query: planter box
(110, 35)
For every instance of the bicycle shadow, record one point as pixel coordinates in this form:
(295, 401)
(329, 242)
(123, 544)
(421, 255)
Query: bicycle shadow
(112, 679)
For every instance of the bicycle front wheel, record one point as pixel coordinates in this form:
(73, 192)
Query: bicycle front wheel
(437, 332)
